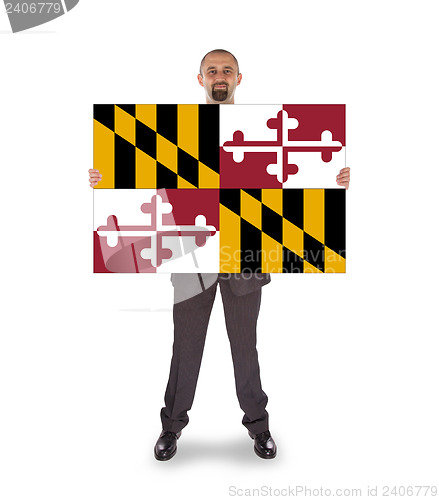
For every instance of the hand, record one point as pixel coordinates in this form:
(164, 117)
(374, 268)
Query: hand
(344, 177)
(95, 177)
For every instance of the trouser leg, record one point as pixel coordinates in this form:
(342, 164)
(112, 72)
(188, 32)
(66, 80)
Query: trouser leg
(191, 318)
(241, 313)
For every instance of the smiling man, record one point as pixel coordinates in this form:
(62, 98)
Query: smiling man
(194, 295)
(219, 75)
(241, 296)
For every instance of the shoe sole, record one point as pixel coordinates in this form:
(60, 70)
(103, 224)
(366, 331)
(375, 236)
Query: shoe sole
(261, 455)
(164, 459)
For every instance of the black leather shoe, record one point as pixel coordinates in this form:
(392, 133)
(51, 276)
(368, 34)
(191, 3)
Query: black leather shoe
(265, 447)
(166, 446)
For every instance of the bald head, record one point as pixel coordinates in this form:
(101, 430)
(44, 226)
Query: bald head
(218, 51)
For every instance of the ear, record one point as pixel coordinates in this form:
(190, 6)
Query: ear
(239, 79)
(200, 80)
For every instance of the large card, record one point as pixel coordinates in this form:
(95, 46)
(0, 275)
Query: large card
(219, 188)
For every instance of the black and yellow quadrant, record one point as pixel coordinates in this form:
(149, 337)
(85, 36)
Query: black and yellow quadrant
(282, 230)
(157, 145)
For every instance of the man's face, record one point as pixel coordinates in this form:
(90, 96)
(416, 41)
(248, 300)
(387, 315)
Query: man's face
(219, 78)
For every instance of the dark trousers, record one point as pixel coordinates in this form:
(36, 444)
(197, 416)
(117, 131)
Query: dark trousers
(191, 318)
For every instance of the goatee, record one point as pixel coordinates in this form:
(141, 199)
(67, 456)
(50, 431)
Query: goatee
(220, 94)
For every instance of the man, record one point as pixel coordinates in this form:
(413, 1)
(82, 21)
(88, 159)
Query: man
(194, 295)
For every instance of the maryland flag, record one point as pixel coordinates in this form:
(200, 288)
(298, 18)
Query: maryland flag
(219, 188)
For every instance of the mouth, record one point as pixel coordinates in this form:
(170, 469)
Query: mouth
(219, 87)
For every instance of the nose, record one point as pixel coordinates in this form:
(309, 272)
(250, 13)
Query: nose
(221, 76)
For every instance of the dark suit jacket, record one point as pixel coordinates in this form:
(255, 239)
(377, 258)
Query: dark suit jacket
(187, 285)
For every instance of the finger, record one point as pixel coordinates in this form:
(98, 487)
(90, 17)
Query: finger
(345, 184)
(93, 170)
(341, 177)
(346, 169)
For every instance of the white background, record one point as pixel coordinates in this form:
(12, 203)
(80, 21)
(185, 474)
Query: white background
(349, 362)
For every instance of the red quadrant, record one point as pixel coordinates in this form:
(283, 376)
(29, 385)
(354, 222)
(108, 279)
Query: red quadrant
(250, 173)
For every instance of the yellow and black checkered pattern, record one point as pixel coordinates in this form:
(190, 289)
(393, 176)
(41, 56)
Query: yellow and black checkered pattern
(157, 145)
(282, 230)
